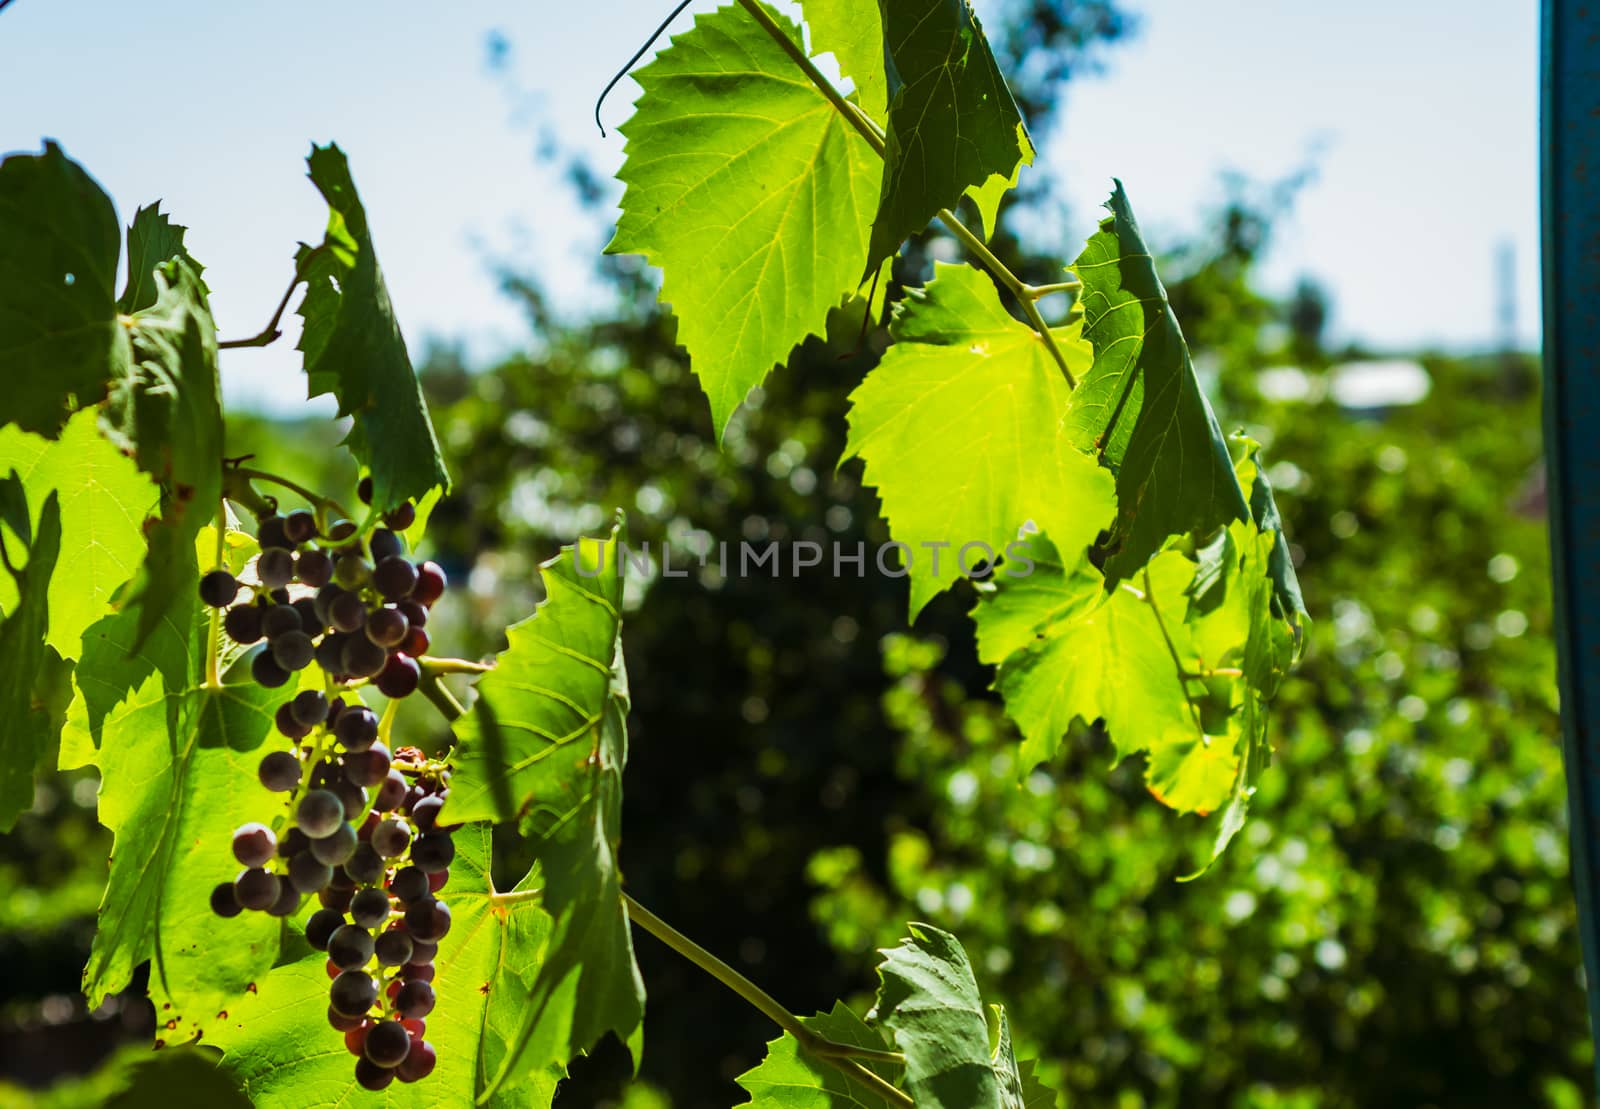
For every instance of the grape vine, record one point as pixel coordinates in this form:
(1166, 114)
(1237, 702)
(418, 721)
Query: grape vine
(236, 686)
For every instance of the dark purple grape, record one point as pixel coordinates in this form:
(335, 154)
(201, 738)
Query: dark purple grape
(314, 568)
(410, 885)
(356, 728)
(226, 904)
(342, 1023)
(279, 596)
(330, 653)
(280, 619)
(416, 615)
(433, 852)
(369, 767)
(388, 1043)
(419, 1062)
(342, 881)
(393, 948)
(415, 999)
(324, 599)
(437, 879)
(349, 947)
(400, 676)
(254, 844)
(353, 992)
(386, 627)
(370, 1076)
(294, 841)
(341, 530)
(382, 543)
(279, 772)
(351, 571)
(300, 526)
(370, 907)
(288, 725)
(430, 584)
(347, 612)
(310, 707)
(423, 952)
(391, 792)
(319, 813)
(270, 533)
(352, 796)
(288, 902)
(243, 624)
(336, 848)
(402, 517)
(310, 623)
(322, 925)
(334, 898)
(218, 588)
(364, 489)
(275, 567)
(266, 671)
(366, 866)
(307, 873)
(425, 813)
(428, 920)
(391, 838)
(293, 650)
(417, 642)
(394, 577)
(362, 657)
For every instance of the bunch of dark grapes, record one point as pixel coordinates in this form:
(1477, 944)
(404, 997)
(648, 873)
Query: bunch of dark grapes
(358, 831)
(368, 614)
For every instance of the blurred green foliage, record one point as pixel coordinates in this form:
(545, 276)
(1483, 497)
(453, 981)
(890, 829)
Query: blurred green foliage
(1395, 926)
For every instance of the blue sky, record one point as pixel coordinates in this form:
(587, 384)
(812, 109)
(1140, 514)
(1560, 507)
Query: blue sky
(1421, 114)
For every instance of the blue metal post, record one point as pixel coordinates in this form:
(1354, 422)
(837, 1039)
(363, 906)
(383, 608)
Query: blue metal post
(1570, 224)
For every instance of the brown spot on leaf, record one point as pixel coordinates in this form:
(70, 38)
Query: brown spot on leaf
(251, 988)
(160, 1043)
(223, 1015)
(484, 989)
(172, 1026)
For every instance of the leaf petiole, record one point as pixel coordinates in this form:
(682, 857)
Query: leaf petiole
(842, 1057)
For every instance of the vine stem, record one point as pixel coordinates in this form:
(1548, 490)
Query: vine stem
(439, 696)
(294, 487)
(843, 1057)
(271, 333)
(869, 130)
(453, 665)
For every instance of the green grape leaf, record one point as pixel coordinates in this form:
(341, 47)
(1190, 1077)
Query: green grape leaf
(791, 1078)
(1006, 1072)
(1035, 1094)
(1141, 406)
(1067, 648)
(153, 240)
(167, 414)
(277, 1044)
(104, 503)
(61, 344)
(1264, 509)
(960, 430)
(1235, 625)
(751, 194)
(852, 32)
(354, 350)
(545, 743)
(953, 126)
(928, 1001)
(175, 783)
(28, 723)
